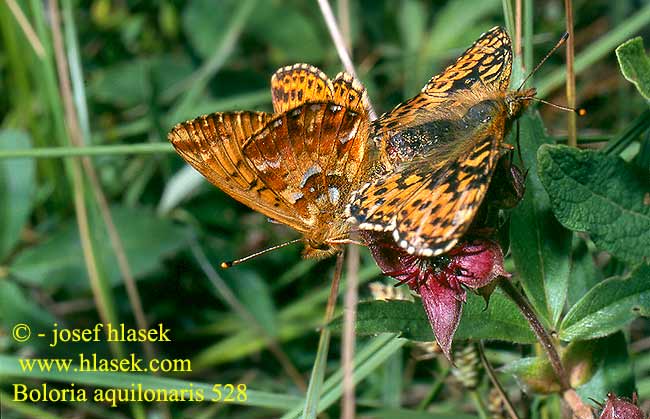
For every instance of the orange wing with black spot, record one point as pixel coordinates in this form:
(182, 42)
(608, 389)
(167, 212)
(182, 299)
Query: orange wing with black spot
(438, 151)
(428, 205)
(295, 85)
(297, 167)
(488, 62)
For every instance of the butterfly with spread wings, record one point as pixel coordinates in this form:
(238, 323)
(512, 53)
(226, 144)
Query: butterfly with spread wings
(438, 150)
(297, 166)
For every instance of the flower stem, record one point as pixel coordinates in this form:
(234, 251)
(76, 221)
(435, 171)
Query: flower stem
(495, 382)
(540, 332)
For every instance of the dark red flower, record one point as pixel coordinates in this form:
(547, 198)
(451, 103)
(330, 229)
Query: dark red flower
(621, 408)
(441, 280)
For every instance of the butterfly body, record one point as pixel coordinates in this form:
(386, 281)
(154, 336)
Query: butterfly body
(297, 166)
(438, 151)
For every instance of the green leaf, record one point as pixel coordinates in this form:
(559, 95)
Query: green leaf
(584, 272)
(392, 316)
(17, 307)
(129, 83)
(205, 23)
(291, 35)
(635, 65)
(614, 370)
(253, 292)
(501, 320)
(540, 245)
(609, 306)
(582, 360)
(58, 261)
(601, 195)
(17, 185)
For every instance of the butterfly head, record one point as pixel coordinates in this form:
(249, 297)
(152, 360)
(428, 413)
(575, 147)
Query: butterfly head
(317, 249)
(518, 100)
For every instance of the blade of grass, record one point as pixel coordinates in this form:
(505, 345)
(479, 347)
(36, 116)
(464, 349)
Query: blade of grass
(366, 361)
(25, 409)
(98, 150)
(309, 411)
(99, 284)
(508, 16)
(229, 298)
(196, 83)
(77, 136)
(528, 35)
(640, 125)
(27, 28)
(349, 319)
(570, 75)
(605, 45)
(76, 71)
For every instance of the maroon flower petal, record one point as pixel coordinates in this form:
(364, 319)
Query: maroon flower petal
(443, 309)
(440, 280)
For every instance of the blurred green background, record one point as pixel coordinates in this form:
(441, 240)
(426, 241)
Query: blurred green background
(139, 67)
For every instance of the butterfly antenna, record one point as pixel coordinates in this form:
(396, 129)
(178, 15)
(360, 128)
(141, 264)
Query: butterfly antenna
(231, 263)
(558, 45)
(580, 111)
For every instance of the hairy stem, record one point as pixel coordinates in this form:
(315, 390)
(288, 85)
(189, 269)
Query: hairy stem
(540, 332)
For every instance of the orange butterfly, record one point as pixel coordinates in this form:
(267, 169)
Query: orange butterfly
(438, 150)
(298, 166)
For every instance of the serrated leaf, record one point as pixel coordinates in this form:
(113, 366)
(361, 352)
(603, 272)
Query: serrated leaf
(500, 321)
(58, 261)
(635, 65)
(540, 245)
(392, 316)
(17, 186)
(599, 194)
(609, 306)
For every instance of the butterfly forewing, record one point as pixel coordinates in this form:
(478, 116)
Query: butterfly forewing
(488, 61)
(438, 152)
(212, 144)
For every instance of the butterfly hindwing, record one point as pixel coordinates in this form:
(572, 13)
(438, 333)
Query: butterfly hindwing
(294, 85)
(309, 157)
(212, 144)
(429, 203)
(488, 60)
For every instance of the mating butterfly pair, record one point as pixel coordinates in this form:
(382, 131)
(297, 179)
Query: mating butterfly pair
(318, 165)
